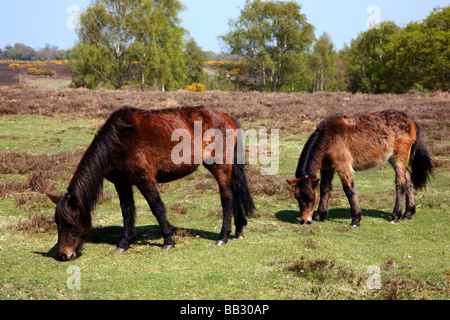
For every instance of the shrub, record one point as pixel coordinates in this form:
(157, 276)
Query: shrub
(235, 71)
(196, 87)
(40, 72)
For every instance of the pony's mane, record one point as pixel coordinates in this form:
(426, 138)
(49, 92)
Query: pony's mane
(311, 157)
(87, 182)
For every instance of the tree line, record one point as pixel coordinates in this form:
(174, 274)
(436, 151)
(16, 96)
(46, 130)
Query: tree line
(23, 52)
(394, 59)
(141, 43)
(279, 46)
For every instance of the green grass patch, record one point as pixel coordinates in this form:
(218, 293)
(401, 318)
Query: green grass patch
(39, 134)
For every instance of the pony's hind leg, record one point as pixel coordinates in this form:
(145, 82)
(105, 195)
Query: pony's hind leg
(410, 202)
(226, 199)
(399, 162)
(151, 194)
(128, 212)
(326, 177)
(222, 173)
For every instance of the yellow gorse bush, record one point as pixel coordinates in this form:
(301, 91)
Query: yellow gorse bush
(196, 87)
(41, 72)
(33, 64)
(235, 71)
(225, 63)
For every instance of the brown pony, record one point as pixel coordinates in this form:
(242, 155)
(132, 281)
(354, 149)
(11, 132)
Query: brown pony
(134, 147)
(344, 143)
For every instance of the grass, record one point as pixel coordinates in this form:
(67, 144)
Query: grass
(28, 133)
(278, 258)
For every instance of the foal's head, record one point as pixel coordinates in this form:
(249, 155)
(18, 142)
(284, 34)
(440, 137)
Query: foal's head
(72, 230)
(305, 193)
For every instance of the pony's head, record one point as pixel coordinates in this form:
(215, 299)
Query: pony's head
(305, 193)
(72, 230)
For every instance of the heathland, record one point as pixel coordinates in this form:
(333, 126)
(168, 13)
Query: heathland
(44, 132)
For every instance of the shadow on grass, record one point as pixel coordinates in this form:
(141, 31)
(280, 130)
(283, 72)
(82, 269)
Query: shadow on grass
(145, 236)
(50, 254)
(292, 216)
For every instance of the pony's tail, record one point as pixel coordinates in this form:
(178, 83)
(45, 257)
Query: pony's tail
(420, 162)
(243, 205)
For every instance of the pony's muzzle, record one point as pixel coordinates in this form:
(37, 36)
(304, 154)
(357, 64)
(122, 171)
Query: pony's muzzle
(308, 221)
(66, 255)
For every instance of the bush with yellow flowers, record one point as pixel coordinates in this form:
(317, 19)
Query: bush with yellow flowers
(33, 64)
(41, 72)
(196, 87)
(235, 71)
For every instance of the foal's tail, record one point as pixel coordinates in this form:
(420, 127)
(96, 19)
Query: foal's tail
(420, 161)
(242, 200)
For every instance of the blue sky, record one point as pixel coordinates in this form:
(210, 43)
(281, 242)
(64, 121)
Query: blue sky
(38, 22)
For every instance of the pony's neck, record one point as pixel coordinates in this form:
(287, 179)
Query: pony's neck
(87, 182)
(312, 155)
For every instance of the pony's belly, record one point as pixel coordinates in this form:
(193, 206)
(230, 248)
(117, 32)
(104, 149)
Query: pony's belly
(179, 172)
(371, 161)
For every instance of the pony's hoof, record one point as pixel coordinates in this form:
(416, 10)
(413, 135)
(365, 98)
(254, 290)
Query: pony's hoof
(120, 250)
(168, 247)
(239, 236)
(220, 243)
(393, 220)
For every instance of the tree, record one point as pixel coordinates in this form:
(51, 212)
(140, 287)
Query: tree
(124, 40)
(194, 62)
(418, 56)
(19, 52)
(272, 36)
(365, 58)
(158, 45)
(323, 62)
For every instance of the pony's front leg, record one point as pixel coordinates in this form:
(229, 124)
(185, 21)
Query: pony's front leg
(350, 191)
(151, 194)
(128, 212)
(326, 177)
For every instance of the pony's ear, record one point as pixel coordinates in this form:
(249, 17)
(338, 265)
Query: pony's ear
(72, 201)
(315, 183)
(293, 182)
(55, 199)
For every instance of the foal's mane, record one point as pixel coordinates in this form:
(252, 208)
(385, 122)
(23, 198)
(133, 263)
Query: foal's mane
(87, 181)
(312, 154)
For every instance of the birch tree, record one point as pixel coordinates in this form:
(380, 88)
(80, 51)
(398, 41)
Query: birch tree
(129, 40)
(272, 36)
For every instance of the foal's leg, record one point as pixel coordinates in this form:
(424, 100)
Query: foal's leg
(128, 212)
(350, 191)
(223, 173)
(410, 203)
(326, 177)
(151, 194)
(398, 162)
